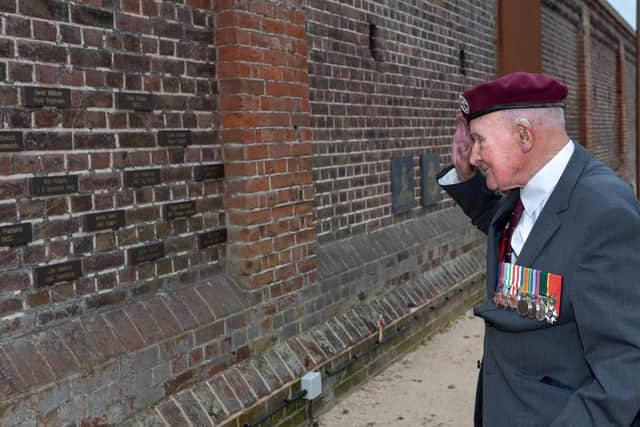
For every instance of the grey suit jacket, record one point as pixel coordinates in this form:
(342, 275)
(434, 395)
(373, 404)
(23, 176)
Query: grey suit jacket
(583, 370)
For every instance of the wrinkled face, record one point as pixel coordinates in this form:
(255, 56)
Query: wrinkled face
(496, 151)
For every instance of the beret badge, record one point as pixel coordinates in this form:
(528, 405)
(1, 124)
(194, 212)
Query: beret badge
(464, 105)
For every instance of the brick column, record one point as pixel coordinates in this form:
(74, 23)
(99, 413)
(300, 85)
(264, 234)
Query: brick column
(585, 91)
(621, 100)
(265, 116)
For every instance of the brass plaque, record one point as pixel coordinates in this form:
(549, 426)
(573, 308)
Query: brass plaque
(203, 172)
(16, 235)
(179, 210)
(11, 141)
(429, 167)
(142, 178)
(146, 253)
(211, 238)
(54, 185)
(134, 101)
(47, 97)
(54, 273)
(110, 220)
(171, 138)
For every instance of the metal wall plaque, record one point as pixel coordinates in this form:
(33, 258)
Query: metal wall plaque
(179, 210)
(110, 220)
(171, 138)
(203, 172)
(429, 167)
(141, 178)
(11, 141)
(211, 238)
(47, 97)
(402, 184)
(54, 185)
(146, 253)
(134, 101)
(54, 273)
(16, 235)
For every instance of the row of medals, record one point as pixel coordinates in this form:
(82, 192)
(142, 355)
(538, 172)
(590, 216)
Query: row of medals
(534, 308)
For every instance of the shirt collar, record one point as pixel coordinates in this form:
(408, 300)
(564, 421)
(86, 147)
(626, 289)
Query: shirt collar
(534, 195)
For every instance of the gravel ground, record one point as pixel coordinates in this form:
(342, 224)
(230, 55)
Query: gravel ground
(432, 386)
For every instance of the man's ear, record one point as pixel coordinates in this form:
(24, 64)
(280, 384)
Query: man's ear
(524, 134)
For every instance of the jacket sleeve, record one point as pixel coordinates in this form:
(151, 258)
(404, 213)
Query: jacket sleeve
(476, 200)
(605, 295)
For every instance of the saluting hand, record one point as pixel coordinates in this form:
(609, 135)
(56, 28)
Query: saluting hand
(461, 149)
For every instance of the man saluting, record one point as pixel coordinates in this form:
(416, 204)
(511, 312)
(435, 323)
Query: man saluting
(562, 316)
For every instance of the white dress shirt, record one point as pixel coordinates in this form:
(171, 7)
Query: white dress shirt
(534, 194)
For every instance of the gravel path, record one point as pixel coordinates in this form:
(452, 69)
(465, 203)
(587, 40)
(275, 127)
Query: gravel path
(432, 386)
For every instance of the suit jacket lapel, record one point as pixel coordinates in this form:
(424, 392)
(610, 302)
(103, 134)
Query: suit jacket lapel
(549, 219)
(493, 243)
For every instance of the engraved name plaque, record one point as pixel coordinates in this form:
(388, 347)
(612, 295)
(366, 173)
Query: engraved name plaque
(171, 138)
(15, 235)
(141, 178)
(402, 184)
(54, 185)
(179, 210)
(146, 253)
(211, 238)
(134, 101)
(11, 141)
(110, 220)
(203, 172)
(36, 97)
(54, 273)
(429, 165)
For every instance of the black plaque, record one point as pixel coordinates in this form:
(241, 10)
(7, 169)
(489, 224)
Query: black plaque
(110, 220)
(54, 273)
(16, 235)
(47, 97)
(402, 184)
(142, 178)
(172, 138)
(202, 172)
(429, 166)
(54, 185)
(146, 253)
(179, 210)
(134, 101)
(11, 141)
(211, 238)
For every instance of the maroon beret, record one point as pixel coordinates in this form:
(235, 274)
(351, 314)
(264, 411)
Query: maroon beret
(515, 90)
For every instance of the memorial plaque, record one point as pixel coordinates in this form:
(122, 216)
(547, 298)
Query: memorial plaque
(203, 172)
(16, 235)
(54, 185)
(429, 167)
(134, 101)
(54, 273)
(146, 253)
(172, 138)
(110, 220)
(47, 97)
(402, 184)
(211, 238)
(179, 210)
(142, 178)
(11, 141)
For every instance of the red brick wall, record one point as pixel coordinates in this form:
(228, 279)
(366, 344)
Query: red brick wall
(98, 49)
(366, 110)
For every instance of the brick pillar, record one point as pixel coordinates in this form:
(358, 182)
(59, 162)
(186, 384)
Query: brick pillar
(265, 117)
(585, 91)
(621, 100)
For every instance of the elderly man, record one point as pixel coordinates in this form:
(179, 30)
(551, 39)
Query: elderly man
(562, 316)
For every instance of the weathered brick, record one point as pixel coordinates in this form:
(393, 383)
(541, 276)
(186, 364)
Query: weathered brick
(125, 330)
(46, 9)
(32, 367)
(225, 394)
(91, 16)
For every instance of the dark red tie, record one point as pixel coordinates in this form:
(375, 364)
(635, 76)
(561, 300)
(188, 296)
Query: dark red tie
(505, 244)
